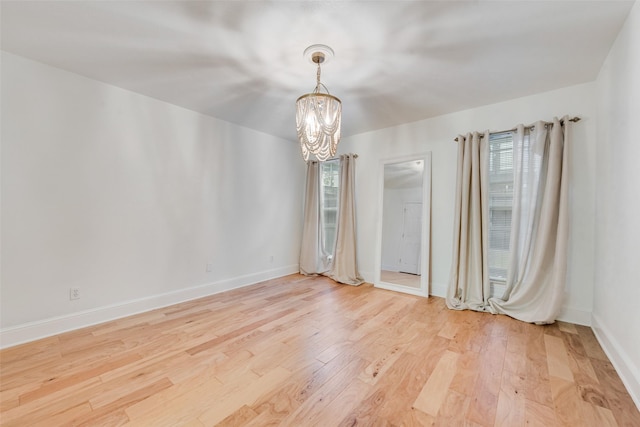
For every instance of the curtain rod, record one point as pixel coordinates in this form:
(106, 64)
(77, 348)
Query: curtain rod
(574, 119)
(355, 156)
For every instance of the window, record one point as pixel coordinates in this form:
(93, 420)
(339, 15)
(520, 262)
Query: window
(500, 203)
(330, 181)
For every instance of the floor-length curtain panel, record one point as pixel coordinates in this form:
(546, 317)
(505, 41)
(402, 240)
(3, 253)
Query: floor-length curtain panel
(539, 232)
(313, 258)
(344, 268)
(469, 285)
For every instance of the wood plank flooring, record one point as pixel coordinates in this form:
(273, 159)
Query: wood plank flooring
(305, 351)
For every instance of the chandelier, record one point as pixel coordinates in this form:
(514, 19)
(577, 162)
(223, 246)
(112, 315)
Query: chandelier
(318, 115)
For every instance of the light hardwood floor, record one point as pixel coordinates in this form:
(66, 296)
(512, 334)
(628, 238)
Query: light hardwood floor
(304, 351)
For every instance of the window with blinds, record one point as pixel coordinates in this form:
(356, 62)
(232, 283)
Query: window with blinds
(330, 181)
(500, 203)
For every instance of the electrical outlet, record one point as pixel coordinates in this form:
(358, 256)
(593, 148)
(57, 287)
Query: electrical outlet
(271, 259)
(74, 293)
(209, 267)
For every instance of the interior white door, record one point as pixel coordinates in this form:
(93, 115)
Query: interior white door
(411, 237)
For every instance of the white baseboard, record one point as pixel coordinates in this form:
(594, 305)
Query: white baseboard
(627, 369)
(575, 315)
(367, 276)
(439, 290)
(32, 331)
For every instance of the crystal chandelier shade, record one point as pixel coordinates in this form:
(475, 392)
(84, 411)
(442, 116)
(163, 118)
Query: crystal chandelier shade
(318, 115)
(318, 123)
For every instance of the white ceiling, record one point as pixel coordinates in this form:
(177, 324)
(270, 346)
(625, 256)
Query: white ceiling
(396, 61)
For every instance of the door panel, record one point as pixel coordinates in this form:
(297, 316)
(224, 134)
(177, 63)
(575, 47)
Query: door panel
(410, 243)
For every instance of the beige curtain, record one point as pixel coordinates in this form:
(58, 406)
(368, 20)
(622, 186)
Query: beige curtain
(539, 231)
(344, 268)
(540, 225)
(469, 279)
(313, 258)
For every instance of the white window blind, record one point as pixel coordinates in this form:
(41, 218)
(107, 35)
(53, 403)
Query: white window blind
(500, 203)
(330, 181)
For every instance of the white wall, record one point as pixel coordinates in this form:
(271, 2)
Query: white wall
(436, 135)
(128, 198)
(616, 309)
